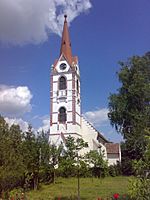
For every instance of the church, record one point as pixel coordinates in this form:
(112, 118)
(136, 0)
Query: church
(65, 105)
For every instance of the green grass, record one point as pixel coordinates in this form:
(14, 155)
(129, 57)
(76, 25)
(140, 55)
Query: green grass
(90, 189)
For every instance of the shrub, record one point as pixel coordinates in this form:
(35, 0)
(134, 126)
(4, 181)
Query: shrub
(140, 189)
(115, 170)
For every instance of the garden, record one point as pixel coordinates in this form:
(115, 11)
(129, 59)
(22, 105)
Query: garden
(90, 188)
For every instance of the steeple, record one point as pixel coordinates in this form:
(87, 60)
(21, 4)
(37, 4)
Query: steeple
(65, 42)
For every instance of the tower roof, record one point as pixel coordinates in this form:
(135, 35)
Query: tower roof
(66, 43)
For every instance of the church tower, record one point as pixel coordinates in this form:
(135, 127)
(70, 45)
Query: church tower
(65, 105)
(65, 101)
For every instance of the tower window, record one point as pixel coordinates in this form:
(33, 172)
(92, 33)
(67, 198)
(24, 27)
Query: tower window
(62, 117)
(62, 83)
(77, 86)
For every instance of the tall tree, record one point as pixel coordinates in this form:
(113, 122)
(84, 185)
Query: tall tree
(129, 108)
(11, 162)
(36, 154)
(24, 157)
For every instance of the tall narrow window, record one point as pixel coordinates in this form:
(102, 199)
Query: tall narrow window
(62, 115)
(77, 86)
(62, 83)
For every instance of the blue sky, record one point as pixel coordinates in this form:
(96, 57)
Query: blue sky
(102, 33)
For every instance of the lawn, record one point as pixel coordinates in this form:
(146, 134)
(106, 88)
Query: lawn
(90, 189)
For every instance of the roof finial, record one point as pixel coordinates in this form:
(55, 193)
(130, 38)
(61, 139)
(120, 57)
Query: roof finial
(65, 16)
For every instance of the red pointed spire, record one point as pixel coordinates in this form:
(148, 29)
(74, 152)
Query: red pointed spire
(65, 42)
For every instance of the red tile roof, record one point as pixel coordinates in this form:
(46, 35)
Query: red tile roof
(112, 148)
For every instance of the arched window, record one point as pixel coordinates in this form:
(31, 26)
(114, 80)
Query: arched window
(62, 116)
(62, 83)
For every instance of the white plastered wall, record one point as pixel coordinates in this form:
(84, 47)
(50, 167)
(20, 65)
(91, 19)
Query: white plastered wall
(67, 102)
(112, 159)
(89, 135)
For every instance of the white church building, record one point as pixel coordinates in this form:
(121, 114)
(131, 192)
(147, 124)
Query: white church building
(65, 105)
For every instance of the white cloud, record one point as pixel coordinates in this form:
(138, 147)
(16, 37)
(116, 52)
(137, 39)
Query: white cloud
(30, 21)
(23, 124)
(45, 124)
(15, 100)
(97, 117)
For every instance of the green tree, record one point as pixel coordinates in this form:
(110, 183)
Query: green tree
(97, 163)
(44, 157)
(129, 109)
(140, 187)
(71, 156)
(126, 164)
(11, 162)
(36, 154)
(31, 154)
(24, 157)
(55, 156)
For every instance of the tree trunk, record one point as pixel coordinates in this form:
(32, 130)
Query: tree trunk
(54, 175)
(35, 181)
